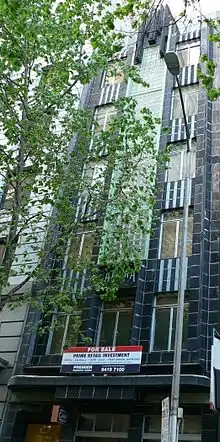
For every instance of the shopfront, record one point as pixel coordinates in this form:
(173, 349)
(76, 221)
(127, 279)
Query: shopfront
(101, 409)
(115, 428)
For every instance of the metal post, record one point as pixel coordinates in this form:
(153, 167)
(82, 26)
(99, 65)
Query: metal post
(184, 115)
(175, 392)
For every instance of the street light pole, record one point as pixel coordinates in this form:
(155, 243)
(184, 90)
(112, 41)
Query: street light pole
(172, 62)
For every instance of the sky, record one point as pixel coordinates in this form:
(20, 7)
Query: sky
(207, 6)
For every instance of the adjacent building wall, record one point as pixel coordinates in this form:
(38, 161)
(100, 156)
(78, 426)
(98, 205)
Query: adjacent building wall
(11, 331)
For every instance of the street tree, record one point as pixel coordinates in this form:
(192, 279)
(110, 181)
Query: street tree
(74, 212)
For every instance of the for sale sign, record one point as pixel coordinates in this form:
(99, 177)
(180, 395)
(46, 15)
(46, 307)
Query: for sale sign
(112, 360)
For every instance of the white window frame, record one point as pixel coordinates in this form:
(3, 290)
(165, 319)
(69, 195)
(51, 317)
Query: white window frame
(2, 247)
(96, 168)
(83, 234)
(50, 337)
(82, 239)
(181, 149)
(188, 45)
(153, 322)
(175, 91)
(104, 81)
(97, 176)
(111, 111)
(117, 312)
(161, 237)
(177, 221)
(85, 231)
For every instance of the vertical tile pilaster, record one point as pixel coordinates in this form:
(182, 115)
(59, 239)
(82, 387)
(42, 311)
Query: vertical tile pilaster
(67, 430)
(210, 428)
(7, 428)
(136, 427)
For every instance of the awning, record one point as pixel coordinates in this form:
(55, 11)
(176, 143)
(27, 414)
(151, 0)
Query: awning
(3, 363)
(19, 382)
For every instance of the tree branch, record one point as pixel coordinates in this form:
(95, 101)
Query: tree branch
(67, 91)
(9, 34)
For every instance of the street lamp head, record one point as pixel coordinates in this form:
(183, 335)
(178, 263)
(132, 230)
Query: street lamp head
(172, 61)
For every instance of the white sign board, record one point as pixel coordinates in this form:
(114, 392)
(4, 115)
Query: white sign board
(165, 417)
(122, 359)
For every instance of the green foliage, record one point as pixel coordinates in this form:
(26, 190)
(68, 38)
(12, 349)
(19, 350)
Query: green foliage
(130, 142)
(207, 73)
(48, 51)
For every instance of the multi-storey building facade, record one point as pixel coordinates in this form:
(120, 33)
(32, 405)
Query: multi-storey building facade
(128, 407)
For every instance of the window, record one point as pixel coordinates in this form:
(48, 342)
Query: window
(64, 333)
(191, 424)
(94, 180)
(164, 323)
(94, 173)
(115, 324)
(191, 429)
(181, 164)
(114, 74)
(9, 197)
(118, 423)
(190, 99)
(103, 116)
(171, 233)
(188, 53)
(2, 249)
(82, 246)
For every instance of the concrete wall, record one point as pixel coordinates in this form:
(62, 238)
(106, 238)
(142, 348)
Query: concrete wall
(26, 258)
(153, 71)
(11, 329)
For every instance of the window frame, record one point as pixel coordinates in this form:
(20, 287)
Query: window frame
(185, 96)
(94, 173)
(83, 240)
(184, 155)
(2, 252)
(110, 110)
(105, 83)
(188, 45)
(153, 321)
(82, 233)
(8, 197)
(190, 437)
(102, 434)
(177, 230)
(65, 332)
(117, 315)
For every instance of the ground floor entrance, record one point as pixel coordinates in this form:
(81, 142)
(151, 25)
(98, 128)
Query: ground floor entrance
(43, 433)
(108, 421)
